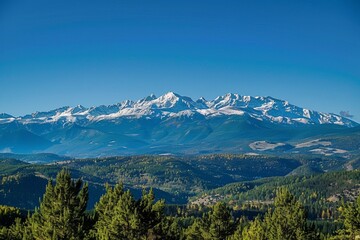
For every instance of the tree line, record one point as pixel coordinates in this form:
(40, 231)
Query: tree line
(118, 215)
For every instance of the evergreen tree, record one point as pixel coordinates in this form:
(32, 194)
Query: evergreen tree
(351, 214)
(255, 231)
(170, 228)
(218, 224)
(121, 217)
(150, 212)
(104, 210)
(287, 220)
(8, 215)
(117, 215)
(194, 232)
(126, 221)
(61, 212)
(14, 232)
(242, 224)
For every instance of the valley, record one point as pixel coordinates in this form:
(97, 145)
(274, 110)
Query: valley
(177, 179)
(192, 186)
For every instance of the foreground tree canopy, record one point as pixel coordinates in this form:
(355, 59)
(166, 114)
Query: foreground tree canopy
(118, 215)
(61, 214)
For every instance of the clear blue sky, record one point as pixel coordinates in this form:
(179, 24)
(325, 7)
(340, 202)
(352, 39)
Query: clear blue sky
(56, 53)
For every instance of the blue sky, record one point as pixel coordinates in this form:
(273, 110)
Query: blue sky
(56, 53)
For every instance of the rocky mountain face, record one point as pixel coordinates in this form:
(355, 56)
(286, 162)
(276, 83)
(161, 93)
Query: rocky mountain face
(169, 124)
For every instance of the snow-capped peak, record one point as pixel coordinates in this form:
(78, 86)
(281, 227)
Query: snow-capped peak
(202, 103)
(169, 98)
(126, 104)
(147, 99)
(172, 105)
(77, 109)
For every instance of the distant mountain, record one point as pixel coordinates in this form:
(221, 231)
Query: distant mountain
(172, 105)
(34, 158)
(170, 124)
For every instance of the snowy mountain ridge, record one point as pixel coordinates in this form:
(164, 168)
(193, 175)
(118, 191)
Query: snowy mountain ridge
(172, 105)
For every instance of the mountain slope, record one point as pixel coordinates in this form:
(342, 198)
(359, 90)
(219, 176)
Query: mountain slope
(174, 105)
(173, 177)
(168, 124)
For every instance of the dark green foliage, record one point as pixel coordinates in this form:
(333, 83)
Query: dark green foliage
(320, 194)
(8, 215)
(256, 230)
(120, 216)
(173, 178)
(9, 165)
(170, 228)
(287, 220)
(237, 235)
(18, 190)
(10, 223)
(15, 232)
(351, 215)
(182, 174)
(215, 225)
(150, 212)
(219, 222)
(195, 231)
(61, 214)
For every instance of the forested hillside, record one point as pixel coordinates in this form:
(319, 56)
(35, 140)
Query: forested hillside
(174, 178)
(118, 215)
(320, 194)
(189, 190)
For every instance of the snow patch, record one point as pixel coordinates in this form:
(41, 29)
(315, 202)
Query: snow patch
(230, 111)
(328, 151)
(312, 143)
(263, 145)
(172, 105)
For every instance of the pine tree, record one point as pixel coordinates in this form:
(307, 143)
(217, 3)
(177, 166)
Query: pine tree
(104, 210)
(218, 224)
(351, 214)
(61, 212)
(150, 212)
(126, 221)
(14, 232)
(255, 231)
(242, 224)
(288, 220)
(8, 215)
(170, 228)
(117, 215)
(120, 216)
(194, 232)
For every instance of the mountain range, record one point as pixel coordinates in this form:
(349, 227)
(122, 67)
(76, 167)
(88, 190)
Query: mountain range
(175, 124)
